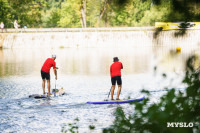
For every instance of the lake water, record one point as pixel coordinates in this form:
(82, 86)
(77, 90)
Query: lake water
(84, 74)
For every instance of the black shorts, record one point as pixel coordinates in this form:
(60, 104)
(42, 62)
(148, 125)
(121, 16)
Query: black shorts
(45, 75)
(117, 79)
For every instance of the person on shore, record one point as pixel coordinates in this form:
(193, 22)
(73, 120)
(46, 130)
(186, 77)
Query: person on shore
(45, 72)
(115, 73)
(16, 26)
(2, 27)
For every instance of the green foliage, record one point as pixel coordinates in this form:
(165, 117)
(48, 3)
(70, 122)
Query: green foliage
(51, 18)
(92, 13)
(68, 13)
(138, 13)
(51, 13)
(91, 127)
(4, 12)
(73, 127)
(25, 11)
(175, 106)
(164, 12)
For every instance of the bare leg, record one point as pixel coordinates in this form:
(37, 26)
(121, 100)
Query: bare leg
(119, 91)
(48, 85)
(43, 85)
(112, 91)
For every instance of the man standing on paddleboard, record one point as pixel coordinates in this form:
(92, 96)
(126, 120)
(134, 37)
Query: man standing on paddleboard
(45, 72)
(115, 73)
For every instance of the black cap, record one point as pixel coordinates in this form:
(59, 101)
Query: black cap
(115, 59)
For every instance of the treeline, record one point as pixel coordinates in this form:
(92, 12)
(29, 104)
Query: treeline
(95, 13)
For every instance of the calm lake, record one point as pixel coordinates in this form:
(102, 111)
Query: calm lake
(84, 74)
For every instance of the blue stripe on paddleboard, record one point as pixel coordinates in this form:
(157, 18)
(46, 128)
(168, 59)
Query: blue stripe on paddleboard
(113, 102)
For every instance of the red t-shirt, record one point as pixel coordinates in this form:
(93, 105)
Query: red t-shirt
(48, 64)
(115, 69)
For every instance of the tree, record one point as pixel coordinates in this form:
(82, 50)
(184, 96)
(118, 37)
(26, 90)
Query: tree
(25, 11)
(70, 14)
(85, 13)
(4, 12)
(51, 18)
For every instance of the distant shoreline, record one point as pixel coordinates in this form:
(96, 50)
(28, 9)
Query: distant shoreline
(97, 37)
(103, 29)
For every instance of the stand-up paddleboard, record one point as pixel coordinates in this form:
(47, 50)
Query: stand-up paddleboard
(58, 92)
(37, 96)
(116, 101)
(55, 92)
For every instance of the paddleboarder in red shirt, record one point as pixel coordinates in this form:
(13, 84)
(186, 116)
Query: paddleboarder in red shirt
(45, 72)
(115, 73)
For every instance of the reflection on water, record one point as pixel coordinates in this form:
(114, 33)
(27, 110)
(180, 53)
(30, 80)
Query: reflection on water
(91, 61)
(84, 74)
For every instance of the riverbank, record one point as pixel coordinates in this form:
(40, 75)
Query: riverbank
(98, 37)
(110, 29)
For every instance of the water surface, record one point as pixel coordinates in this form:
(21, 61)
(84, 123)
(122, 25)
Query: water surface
(84, 74)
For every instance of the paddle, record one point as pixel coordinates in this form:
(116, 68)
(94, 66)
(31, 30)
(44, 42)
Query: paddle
(55, 81)
(55, 84)
(55, 89)
(108, 94)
